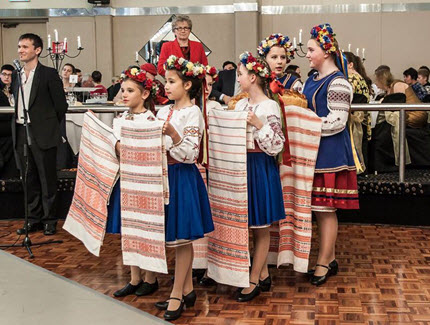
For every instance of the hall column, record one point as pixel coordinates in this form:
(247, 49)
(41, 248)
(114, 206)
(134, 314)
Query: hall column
(104, 48)
(247, 27)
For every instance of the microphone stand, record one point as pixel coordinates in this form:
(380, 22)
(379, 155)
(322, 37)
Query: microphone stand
(27, 242)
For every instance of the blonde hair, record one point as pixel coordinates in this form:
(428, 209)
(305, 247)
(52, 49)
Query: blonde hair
(385, 77)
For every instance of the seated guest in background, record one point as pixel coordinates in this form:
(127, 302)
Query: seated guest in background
(114, 88)
(66, 72)
(6, 97)
(182, 46)
(226, 87)
(293, 69)
(87, 81)
(410, 76)
(423, 79)
(228, 65)
(97, 79)
(79, 74)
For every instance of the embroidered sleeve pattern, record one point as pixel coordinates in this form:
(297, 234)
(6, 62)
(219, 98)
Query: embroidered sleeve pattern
(270, 137)
(187, 150)
(339, 97)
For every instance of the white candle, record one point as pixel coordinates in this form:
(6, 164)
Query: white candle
(79, 42)
(65, 44)
(137, 56)
(300, 36)
(362, 53)
(56, 35)
(357, 52)
(49, 41)
(349, 47)
(294, 43)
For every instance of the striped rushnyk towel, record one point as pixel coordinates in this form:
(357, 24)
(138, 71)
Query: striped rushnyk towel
(144, 193)
(97, 172)
(292, 239)
(228, 255)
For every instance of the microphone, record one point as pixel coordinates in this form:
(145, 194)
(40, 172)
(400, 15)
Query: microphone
(17, 65)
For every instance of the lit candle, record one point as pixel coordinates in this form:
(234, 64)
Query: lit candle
(56, 35)
(137, 56)
(65, 44)
(349, 47)
(79, 42)
(49, 41)
(362, 53)
(294, 43)
(357, 52)
(300, 36)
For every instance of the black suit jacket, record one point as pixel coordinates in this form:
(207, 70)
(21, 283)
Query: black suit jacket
(224, 85)
(47, 106)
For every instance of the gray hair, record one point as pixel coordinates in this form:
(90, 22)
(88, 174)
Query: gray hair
(181, 18)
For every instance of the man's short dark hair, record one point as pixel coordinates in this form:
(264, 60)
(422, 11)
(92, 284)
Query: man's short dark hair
(292, 68)
(97, 76)
(411, 72)
(7, 67)
(78, 70)
(37, 41)
(229, 62)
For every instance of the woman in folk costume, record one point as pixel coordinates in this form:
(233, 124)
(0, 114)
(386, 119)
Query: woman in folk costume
(329, 94)
(277, 50)
(188, 216)
(138, 93)
(265, 200)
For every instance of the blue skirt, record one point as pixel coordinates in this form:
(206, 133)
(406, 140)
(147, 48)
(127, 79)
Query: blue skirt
(114, 211)
(188, 215)
(265, 200)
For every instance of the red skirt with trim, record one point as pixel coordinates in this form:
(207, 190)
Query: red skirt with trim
(337, 190)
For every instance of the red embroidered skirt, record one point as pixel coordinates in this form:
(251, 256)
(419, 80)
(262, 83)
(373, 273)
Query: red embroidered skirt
(335, 190)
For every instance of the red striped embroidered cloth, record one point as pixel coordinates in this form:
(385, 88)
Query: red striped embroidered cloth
(228, 253)
(97, 172)
(144, 192)
(291, 242)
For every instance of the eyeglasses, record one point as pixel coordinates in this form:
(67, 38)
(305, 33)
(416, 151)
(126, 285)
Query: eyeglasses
(6, 74)
(182, 29)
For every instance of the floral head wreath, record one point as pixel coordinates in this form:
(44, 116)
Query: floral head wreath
(212, 71)
(187, 68)
(325, 36)
(251, 63)
(140, 76)
(276, 40)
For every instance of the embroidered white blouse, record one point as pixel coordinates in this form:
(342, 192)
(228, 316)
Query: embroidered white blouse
(270, 137)
(189, 124)
(117, 122)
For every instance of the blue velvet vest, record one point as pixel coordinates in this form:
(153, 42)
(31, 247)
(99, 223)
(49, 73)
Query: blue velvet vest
(287, 80)
(335, 152)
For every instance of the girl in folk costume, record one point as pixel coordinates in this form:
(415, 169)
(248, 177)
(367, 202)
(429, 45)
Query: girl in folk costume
(138, 93)
(277, 50)
(265, 200)
(329, 94)
(211, 77)
(188, 216)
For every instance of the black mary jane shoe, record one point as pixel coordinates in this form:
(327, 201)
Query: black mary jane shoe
(189, 300)
(320, 280)
(265, 284)
(175, 314)
(129, 289)
(333, 264)
(244, 297)
(147, 288)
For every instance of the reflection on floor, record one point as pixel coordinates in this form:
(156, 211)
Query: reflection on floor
(384, 278)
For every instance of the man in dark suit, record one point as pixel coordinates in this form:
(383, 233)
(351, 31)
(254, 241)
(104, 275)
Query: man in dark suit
(45, 101)
(226, 87)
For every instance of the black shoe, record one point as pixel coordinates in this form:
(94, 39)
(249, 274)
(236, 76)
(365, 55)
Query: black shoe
(319, 280)
(32, 227)
(265, 284)
(174, 314)
(189, 300)
(207, 282)
(49, 229)
(147, 288)
(198, 274)
(333, 264)
(244, 297)
(129, 289)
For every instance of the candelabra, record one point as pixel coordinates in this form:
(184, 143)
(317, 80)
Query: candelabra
(301, 53)
(58, 53)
